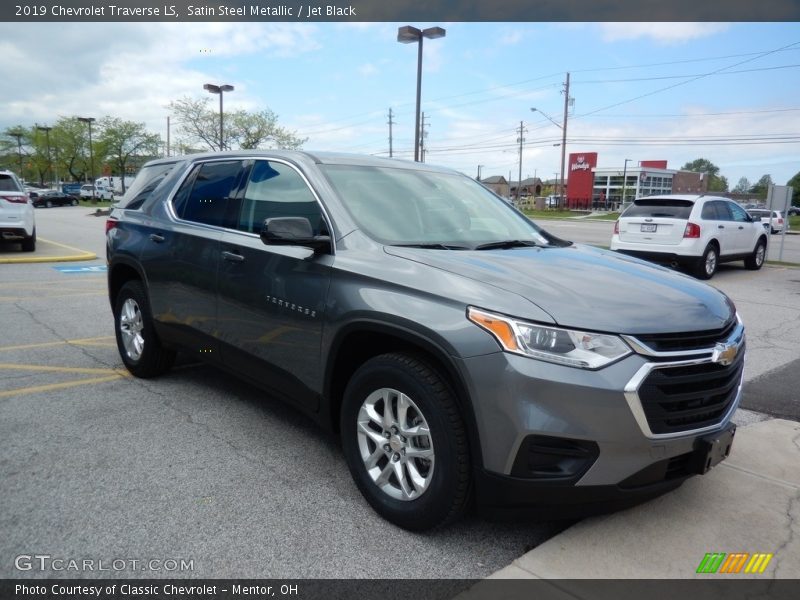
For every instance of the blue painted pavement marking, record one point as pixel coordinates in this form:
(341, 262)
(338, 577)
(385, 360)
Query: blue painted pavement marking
(82, 269)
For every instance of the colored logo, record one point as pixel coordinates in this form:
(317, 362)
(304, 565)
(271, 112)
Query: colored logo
(735, 563)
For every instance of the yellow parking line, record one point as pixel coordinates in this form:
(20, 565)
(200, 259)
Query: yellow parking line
(77, 342)
(58, 386)
(47, 297)
(48, 369)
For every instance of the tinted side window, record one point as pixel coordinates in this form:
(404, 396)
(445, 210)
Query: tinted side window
(277, 190)
(709, 211)
(674, 209)
(738, 213)
(211, 189)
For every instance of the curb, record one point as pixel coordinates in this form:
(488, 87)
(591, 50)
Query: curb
(79, 255)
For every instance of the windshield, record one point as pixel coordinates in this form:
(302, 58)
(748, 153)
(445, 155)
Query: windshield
(409, 207)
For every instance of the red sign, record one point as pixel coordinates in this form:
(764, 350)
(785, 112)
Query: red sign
(580, 180)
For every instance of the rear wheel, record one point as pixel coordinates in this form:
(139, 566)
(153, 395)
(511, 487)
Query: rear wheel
(29, 243)
(138, 344)
(74, 202)
(756, 259)
(707, 265)
(49, 204)
(405, 442)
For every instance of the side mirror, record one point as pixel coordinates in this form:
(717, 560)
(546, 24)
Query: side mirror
(293, 231)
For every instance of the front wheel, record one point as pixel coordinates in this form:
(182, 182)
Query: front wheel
(138, 344)
(756, 259)
(405, 442)
(707, 265)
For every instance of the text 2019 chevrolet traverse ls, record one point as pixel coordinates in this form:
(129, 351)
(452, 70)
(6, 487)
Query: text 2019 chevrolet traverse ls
(462, 353)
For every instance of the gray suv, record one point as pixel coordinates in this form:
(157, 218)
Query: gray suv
(464, 355)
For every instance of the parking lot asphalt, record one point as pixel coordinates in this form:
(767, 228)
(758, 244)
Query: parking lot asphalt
(197, 465)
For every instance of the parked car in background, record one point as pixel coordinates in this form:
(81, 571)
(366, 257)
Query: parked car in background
(50, 198)
(73, 189)
(794, 211)
(450, 341)
(99, 192)
(698, 232)
(17, 220)
(770, 219)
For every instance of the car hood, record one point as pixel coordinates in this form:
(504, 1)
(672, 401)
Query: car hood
(584, 287)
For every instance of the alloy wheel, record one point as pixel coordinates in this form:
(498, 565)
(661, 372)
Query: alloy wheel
(130, 326)
(395, 444)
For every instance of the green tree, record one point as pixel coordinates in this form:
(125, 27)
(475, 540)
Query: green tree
(15, 150)
(198, 123)
(761, 187)
(119, 141)
(716, 182)
(794, 183)
(743, 186)
(69, 141)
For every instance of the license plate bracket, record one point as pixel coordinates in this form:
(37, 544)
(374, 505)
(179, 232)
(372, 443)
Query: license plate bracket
(710, 450)
(649, 227)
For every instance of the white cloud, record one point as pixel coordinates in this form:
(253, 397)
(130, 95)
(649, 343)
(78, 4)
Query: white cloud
(662, 33)
(368, 70)
(511, 38)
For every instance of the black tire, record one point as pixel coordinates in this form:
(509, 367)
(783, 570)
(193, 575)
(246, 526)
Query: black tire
(49, 204)
(446, 494)
(708, 263)
(147, 358)
(74, 202)
(756, 260)
(29, 244)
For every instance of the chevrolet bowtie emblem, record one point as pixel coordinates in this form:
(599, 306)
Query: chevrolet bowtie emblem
(724, 354)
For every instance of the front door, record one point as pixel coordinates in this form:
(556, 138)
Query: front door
(272, 298)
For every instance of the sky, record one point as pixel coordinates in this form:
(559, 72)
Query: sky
(727, 92)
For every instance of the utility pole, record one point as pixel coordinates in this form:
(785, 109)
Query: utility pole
(479, 172)
(564, 139)
(391, 122)
(422, 135)
(520, 139)
(123, 175)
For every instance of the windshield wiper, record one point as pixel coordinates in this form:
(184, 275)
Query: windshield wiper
(435, 246)
(508, 244)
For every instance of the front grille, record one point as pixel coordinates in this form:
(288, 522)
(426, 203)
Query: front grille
(674, 342)
(681, 398)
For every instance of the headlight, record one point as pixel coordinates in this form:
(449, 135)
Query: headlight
(582, 349)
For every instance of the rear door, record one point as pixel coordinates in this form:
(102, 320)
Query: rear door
(181, 257)
(655, 221)
(272, 298)
(722, 226)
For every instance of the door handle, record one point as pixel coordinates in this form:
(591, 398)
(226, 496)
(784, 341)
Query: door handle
(720, 226)
(232, 256)
(741, 226)
(157, 238)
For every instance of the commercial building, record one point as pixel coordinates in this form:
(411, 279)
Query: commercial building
(590, 187)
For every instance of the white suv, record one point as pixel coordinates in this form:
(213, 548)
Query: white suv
(17, 221)
(695, 231)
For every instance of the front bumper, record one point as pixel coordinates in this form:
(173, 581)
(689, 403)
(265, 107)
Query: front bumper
(598, 445)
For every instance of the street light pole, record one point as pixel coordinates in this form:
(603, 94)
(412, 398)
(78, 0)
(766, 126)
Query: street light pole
(49, 161)
(90, 120)
(219, 89)
(18, 134)
(625, 178)
(407, 35)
